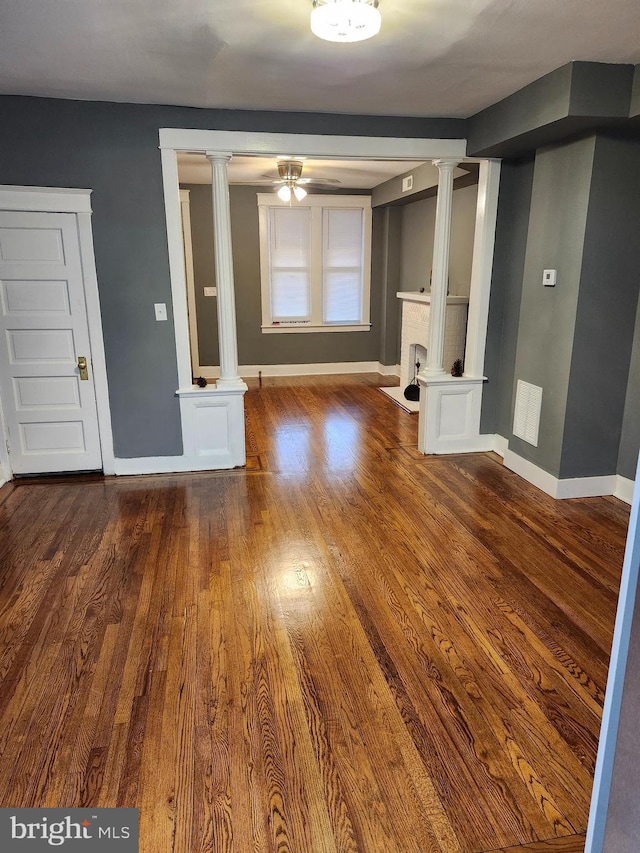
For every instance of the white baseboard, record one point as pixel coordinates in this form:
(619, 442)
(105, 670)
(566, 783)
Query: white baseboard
(473, 444)
(311, 369)
(571, 487)
(586, 487)
(167, 465)
(501, 445)
(624, 489)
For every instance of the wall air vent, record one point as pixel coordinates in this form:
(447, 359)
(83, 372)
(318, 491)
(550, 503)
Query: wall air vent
(526, 416)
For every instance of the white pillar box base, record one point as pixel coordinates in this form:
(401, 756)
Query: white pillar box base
(449, 419)
(213, 426)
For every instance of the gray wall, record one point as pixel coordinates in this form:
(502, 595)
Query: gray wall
(579, 98)
(113, 150)
(418, 223)
(514, 202)
(630, 436)
(574, 340)
(605, 319)
(557, 225)
(386, 252)
(425, 176)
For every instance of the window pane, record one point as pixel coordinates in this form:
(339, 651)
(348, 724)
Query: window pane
(290, 239)
(343, 237)
(290, 295)
(342, 296)
(342, 265)
(290, 236)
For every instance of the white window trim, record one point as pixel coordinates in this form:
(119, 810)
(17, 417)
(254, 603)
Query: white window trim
(316, 203)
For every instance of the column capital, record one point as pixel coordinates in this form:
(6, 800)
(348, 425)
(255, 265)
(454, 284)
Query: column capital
(218, 156)
(446, 165)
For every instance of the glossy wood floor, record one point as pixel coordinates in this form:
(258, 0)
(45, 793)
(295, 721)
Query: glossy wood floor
(348, 647)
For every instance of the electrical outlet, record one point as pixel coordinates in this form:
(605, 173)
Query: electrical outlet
(161, 310)
(210, 291)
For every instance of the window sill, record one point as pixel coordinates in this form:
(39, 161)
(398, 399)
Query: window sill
(305, 328)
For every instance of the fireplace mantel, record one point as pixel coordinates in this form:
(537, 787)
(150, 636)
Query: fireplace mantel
(415, 329)
(419, 296)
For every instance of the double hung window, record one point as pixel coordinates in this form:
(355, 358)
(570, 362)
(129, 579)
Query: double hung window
(315, 259)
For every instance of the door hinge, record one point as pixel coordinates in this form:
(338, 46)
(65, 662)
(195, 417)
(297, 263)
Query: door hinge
(8, 447)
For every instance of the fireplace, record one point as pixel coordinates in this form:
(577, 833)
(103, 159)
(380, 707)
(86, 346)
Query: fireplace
(414, 339)
(416, 361)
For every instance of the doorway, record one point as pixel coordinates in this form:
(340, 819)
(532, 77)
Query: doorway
(53, 390)
(222, 144)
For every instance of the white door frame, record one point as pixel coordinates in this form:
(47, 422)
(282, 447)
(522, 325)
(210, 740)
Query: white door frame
(77, 201)
(185, 206)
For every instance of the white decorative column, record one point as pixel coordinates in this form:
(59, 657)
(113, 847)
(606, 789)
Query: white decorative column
(213, 417)
(440, 268)
(227, 335)
(449, 420)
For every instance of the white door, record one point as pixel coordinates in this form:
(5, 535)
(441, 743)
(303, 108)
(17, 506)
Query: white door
(49, 408)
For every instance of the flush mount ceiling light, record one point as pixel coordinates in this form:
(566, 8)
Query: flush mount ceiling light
(290, 172)
(345, 20)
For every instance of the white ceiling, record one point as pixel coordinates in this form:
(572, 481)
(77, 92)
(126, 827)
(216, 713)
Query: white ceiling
(432, 57)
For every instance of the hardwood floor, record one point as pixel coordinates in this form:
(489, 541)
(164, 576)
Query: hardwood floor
(347, 647)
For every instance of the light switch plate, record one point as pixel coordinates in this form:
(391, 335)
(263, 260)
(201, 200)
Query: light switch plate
(549, 277)
(161, 310)
(210, 291)
(407, 183)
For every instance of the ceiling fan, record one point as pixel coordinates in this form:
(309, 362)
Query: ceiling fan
(292, 183)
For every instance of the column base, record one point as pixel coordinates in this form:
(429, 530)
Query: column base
(235, 384)
(449, 418)
(213, 426)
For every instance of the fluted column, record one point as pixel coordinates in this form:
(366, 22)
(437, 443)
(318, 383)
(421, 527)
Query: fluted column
(227, 335)
(440, 269)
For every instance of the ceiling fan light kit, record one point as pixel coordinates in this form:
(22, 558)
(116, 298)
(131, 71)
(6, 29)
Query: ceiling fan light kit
(290, 172)
(345, 20)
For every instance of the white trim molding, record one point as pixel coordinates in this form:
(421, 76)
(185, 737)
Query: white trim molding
(296, 328)
(45, 199)
(306, 145)
(569, 487)
(215, 425)
(482, 266)
(185, 211)
(450, 415)
(319, 369)
(501, 445)
(77, 201)
(624, 489)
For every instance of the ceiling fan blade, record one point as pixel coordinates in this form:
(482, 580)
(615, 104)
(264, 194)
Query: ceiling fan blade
(330, 182)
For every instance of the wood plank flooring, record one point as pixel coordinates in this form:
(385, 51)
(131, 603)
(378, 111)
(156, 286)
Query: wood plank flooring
(346, 648)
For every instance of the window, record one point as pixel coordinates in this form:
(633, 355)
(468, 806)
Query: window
(315, 260)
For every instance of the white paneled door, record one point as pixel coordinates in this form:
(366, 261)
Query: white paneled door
(48, 396)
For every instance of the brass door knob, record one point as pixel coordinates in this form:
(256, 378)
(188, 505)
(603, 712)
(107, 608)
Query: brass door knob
(82, 367)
